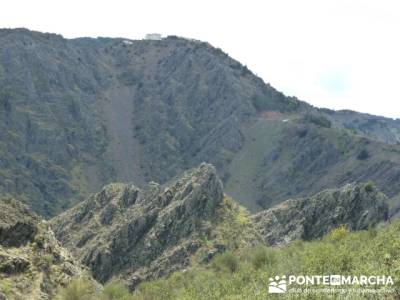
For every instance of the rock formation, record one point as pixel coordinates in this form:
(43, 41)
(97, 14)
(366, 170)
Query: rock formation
(357, 206)
(142, 233)
(33, 265)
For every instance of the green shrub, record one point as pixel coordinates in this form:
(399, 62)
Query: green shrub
(79, 289)
(369, 186)
(115, 291)
(263, 256)
(318, 120)
(155, 290)
(226, 261)
(6, 288)
(260, 103)
(46, 262)
(338, 233)
(372, 231)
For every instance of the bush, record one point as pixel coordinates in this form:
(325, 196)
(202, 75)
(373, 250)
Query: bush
(115, 291)
(79, 289)
(46, 262)
(6, 288)
(318, 120)
(338, 233)
(261, 103)
(263, 256)
(363, 155)
(226, 261)
(154, 290)
(369, 186)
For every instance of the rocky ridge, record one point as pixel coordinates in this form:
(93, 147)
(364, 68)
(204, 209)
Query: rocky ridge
(135, 235)
(357, 206)
(142, 233)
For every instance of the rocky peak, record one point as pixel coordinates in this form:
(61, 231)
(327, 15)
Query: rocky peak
(357, 206)
(145, 232)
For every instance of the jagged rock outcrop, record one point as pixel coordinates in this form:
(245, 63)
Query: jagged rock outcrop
(356, 205)
(145, 233)
(33, 265)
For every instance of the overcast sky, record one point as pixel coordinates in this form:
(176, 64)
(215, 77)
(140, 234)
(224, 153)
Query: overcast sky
(330, 53)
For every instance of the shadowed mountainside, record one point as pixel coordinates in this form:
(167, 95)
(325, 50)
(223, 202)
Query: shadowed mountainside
(78, 114)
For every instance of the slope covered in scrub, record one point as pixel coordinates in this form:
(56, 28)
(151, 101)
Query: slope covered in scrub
(246, 276)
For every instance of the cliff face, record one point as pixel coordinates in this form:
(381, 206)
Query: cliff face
(33, 265)
(355, 206)
(142, 233)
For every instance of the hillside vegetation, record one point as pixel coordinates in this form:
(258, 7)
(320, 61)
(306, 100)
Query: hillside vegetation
(245, 274)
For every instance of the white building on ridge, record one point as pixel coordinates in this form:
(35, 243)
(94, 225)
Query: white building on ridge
(153, 36)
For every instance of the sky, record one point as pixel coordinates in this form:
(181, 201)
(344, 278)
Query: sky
(339, 54)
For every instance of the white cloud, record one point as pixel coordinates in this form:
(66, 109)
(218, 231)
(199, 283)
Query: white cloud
(303, 48)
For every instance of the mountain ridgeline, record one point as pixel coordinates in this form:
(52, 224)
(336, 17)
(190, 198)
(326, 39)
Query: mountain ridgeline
(134, 235)
(76, 114)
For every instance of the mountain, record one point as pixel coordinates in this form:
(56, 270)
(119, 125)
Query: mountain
(76, 114)
(33, 265)
(137, 235)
